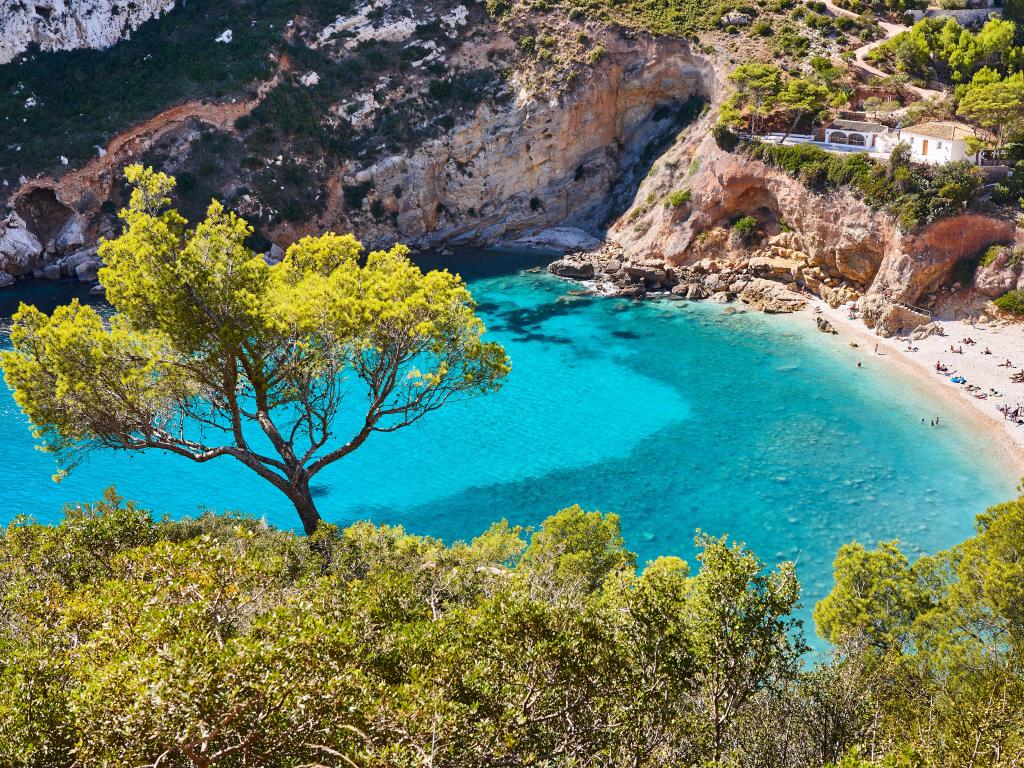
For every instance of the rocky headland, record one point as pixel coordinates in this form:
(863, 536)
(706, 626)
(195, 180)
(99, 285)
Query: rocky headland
(609, 137)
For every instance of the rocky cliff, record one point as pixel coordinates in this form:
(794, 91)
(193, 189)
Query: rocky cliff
(432, 123)
(59, 25)
(833, 245)
(515, 168)
(515, 162)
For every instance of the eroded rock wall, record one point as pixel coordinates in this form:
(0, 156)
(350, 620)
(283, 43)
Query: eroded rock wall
(56, 25)
(518, 168)
(832, 244)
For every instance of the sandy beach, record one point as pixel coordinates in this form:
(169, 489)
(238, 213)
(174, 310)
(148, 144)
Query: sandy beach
(1004, 341)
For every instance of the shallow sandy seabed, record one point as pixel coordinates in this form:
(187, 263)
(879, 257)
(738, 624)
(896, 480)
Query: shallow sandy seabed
(1004, 340)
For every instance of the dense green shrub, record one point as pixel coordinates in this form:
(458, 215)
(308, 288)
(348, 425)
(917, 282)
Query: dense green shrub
(678, 199)
(1011, 301)
(991, 254)
(134, 641)
(745, 229)
(725, 138)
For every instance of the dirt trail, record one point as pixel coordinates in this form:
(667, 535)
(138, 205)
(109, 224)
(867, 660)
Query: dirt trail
(860, 54)
(99, 175)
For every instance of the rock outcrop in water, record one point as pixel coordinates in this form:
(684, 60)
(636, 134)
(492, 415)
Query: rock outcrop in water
(60, 25)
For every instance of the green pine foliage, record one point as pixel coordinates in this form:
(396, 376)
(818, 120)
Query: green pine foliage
(221, 642)
(126, 640)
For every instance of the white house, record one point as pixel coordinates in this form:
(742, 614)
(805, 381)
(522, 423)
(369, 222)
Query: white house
(938, 142)
(873, 137)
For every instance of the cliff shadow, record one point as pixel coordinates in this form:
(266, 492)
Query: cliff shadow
(638, 155)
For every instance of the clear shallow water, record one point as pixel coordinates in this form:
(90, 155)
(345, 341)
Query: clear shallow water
(675, 415)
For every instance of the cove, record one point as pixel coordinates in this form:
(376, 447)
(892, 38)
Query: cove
(674, 415)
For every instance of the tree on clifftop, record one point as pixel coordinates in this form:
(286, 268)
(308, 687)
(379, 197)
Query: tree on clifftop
(211, 352)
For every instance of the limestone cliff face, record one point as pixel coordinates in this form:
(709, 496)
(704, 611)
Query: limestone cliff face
(509, 169)
(833, 244)
(57, 25)
(531, 163)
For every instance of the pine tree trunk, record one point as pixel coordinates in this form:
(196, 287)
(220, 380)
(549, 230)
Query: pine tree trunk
(302, 498)
(792, 127)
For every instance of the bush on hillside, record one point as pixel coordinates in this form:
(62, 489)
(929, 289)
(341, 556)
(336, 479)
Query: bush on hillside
(1011, 301)
(745, 229)
(678, 199)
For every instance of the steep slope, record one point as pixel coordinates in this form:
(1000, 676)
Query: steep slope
(420, 123)
(60, 25)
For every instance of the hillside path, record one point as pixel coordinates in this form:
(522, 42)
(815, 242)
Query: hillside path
(860, 54)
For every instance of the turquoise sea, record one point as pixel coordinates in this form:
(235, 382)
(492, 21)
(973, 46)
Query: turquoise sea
(674, 415)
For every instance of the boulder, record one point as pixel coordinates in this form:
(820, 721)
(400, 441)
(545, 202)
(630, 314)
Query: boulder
(775, 266)
(895, 318)
(695, 292)
(652, 277)
(736, 18)
(69, 264)
(924, 331)
(997, 278)
(771, 297)
(6, 280)
(86, 270)
(631, 291)
(838, 295)
(824, 325)
(50, 272)
(72, 233)
(20, 250)
(574, 270)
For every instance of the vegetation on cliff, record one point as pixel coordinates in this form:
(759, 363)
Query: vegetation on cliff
(211, 352)
(219, 642)
(914, 194)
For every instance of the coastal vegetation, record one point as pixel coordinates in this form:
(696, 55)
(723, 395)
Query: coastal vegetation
(1011, 301)
(939, 49)
(914, 194)
(210, 352)
(218, 641)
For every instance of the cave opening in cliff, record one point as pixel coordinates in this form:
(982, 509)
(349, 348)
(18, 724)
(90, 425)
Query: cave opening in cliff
(43, 212)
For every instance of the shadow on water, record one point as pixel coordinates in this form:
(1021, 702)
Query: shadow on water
(543, 337)
(479, 264)
(523, 320)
